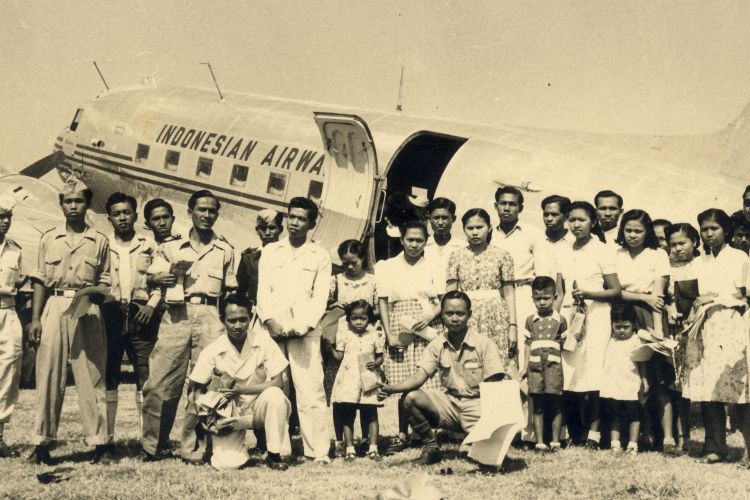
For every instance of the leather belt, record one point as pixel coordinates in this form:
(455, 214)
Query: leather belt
(202, 299)
(58, 292)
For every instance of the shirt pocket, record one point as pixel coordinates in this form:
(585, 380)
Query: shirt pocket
(473, 371)
(213, 281)
(9, 274)
(53, 266)
(87, 270)
(307, 274)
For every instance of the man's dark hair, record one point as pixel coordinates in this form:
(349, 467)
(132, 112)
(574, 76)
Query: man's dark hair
(444, 203)
(509, 190)
(608, 194)
(119, 197)
(238, 300)
(662, 223)
(562, 201)
(542, 283)
(306, 204)
(203, 193)
(453, 295)
(414, 224)
(152, 205)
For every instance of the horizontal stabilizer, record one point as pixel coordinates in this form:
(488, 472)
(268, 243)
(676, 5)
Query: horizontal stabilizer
(41, 167)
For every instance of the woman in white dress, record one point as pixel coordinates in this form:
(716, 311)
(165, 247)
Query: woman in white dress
(587, 275)
(643, 270)
(716, 365)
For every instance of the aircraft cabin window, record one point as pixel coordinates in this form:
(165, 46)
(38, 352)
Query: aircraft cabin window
(76, 119)
(315, 191)
(204, 168)
(276, 184)
(239, 175)
(172, 160)
(141, 152)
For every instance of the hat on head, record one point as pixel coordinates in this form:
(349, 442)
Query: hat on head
(73, 185)
(7, 202)
(419, 200)
(267, 216)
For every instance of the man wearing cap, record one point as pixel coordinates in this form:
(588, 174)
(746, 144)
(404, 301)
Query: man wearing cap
(269, 228)
(295, 277)
(11, 335)
(71, 280)
(130, 310)
(201, 268)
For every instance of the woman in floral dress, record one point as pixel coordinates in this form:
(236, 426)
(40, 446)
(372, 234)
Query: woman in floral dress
(485, 274)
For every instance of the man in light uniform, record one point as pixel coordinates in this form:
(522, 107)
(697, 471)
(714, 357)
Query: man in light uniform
(441, 214)
(130, 310)
(608, 206)
(73, 270)
(557, 241)
(521, 242)
(246, 369)
(295, 276)
(11, 335)
(198, 269)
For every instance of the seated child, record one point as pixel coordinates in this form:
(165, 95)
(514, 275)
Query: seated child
(360, 350)
(544, 334)
(625, 381)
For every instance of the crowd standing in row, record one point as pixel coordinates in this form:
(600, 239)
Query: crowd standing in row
(280, 336)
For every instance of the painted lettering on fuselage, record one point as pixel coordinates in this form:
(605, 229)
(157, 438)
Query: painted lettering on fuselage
(242, 149)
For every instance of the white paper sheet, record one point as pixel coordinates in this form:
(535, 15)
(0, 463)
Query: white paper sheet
(502, 417)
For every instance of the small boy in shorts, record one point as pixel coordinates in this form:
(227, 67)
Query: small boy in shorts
(544, 335)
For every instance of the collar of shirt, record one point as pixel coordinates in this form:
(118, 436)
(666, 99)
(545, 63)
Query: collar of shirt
(249, 348)
(568, 238)
(214, 243)
(89, 233)
(469, 340)
(555, 315)
(131, 246)
(500, 231)
(284, 243)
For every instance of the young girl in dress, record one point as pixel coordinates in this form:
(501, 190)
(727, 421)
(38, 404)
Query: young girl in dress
(347, 287)
(587, 274)
(485, 273)
(643, 270)
(410, 313)
(360, 350)
(716, 366)
(684, 242)
(625, 381)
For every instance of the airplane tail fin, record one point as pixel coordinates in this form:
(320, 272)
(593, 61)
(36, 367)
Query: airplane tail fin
(41, 167)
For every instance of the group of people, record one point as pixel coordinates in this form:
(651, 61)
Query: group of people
(624, 321)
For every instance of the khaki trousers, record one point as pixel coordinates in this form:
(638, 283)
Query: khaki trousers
(84, 343)
(11, 350)
(183, 333)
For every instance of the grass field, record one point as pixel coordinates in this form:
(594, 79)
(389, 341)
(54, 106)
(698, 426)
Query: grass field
(572, 473)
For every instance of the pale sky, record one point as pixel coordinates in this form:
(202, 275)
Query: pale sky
(651, 67)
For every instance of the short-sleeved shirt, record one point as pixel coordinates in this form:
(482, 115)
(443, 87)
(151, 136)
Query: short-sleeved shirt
(10, 267)
(638, 274)
(260, 355)
(587, 266)
(438, 256)
(131, 262)
(544, 334)
(723, 274)
(462, 370)
(398, 280)
(521, 244)
(213, 268)
(73, 261)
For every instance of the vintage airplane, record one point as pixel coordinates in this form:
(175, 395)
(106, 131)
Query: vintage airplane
(256, 152)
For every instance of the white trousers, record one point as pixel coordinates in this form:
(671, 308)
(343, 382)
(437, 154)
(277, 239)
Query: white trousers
(269, 411)
(11, 350)
(306, 366)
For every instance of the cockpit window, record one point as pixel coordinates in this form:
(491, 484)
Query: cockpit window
(76, 119)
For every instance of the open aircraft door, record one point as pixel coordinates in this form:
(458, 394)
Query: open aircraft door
(351, 184)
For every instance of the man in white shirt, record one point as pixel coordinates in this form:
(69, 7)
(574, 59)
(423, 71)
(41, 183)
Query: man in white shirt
(294, 280)
(437, 250)
(557, 241)
(521, 242)
(608, 209)
(243, 369)
(129, 311)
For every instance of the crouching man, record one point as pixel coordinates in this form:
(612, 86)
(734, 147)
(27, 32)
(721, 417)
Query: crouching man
(237, 386)
(464, 358)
